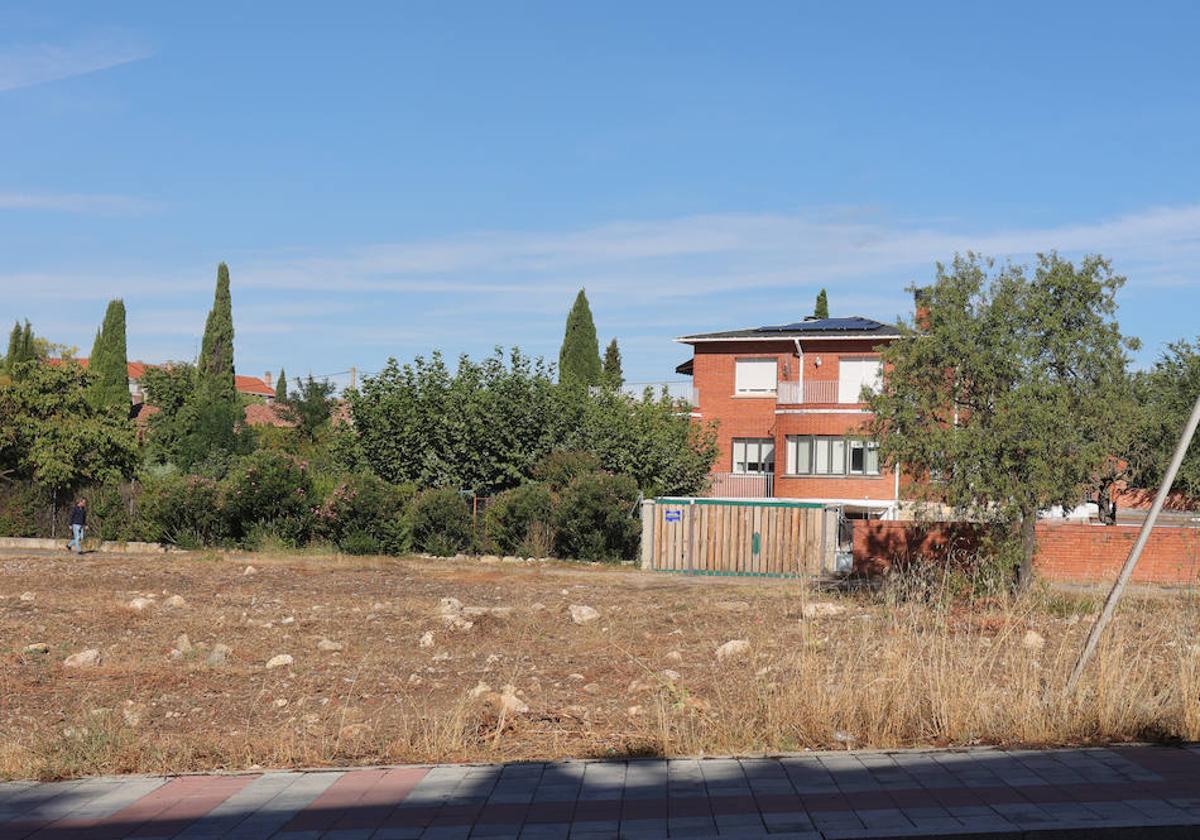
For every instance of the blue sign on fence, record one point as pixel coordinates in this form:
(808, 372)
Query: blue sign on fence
(673, 515)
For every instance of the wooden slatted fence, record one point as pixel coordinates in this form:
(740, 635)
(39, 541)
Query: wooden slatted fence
(768, 537)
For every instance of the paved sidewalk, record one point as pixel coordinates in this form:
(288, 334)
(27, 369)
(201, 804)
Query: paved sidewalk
(1132, 791)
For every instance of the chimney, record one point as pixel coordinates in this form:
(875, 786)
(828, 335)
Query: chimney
(267, 379)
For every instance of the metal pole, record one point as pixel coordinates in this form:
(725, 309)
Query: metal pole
(1110, 604)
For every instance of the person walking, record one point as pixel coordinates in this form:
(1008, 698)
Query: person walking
(78, 525)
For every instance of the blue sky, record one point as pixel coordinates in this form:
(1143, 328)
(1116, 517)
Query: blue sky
(389, 178)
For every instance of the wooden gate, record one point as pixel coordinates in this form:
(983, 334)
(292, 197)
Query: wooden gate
(769, 537)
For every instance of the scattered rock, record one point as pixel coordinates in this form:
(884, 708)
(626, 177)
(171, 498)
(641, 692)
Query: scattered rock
(287, 619)
(415, 679)
(582, 614)
(843, 737)
(638, 686)
(329, 645)
(27, 596)
(175, 602)
(821, 609)
(84, 659)
(507, 701)
(480, 689)
(669, 675)
(426, 639)
(219, 654)
(576, 677)
(733, 649)
(489, 560)
(1033, 640)
(279, 661)
(183, 644)
(674, 657)
(444, 656)
(634, 711)
(132, 713)
(592, 688)
(140, 604)
(249, 570)
(495, 612)
(537, 606)
(281, 702)
(36, 648)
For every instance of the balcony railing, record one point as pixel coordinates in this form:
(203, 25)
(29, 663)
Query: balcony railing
(741, 486)
(818, 391)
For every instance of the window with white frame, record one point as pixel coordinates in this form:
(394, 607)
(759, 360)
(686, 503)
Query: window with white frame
(755, 376)
(829, 455)
(753, 456)
(854, 374)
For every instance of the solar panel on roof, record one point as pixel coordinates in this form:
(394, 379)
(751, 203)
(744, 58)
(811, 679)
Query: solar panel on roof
(854, 324)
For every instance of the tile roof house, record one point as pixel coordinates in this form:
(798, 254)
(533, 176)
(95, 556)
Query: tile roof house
(249, 385)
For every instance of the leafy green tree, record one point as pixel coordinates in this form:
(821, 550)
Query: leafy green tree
(52, 435)
(1000, 395)
(109, 361)
(486, 427)
(22, 347)
(1167, 393)
(612, 374)
(169, 389)
(281, 391)
(215, 366)
(208, 424)
(579, 356)
(821, 310)
(310, 407)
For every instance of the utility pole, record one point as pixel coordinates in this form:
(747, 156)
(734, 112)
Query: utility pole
(353, 376)
(1110, 604)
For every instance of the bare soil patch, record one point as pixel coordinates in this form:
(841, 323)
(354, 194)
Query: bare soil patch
(384, 669)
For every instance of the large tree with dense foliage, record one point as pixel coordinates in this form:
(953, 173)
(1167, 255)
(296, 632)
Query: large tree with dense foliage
(109, 362)
(215, 365)
(579, 356)
(310, 406)
(53, 435)
(1166, 394)
(998, 392)
(486, 426)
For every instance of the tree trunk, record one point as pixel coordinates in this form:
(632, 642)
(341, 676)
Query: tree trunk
(1028, 546)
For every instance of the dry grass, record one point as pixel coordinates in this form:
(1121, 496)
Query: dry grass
(886, 673)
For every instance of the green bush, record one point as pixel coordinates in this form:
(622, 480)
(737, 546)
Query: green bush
(441, 522)
(562, 466)
(269, 493)
(20, 505)
(518, 521)
(595, 518)
(112, 513)
(366, 515)
(182, 510)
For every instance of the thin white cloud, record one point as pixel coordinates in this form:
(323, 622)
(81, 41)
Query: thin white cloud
(659, 260)
(25, 65)
(84, 203)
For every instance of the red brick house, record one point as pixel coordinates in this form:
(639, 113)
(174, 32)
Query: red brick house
(788, 403)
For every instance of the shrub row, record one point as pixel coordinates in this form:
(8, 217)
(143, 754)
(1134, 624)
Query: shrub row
(272, 498)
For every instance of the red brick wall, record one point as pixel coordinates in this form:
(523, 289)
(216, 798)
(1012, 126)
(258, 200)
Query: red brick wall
(1065, 552)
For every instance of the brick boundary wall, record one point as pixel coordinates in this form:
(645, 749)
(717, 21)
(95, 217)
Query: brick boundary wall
(1068, 552)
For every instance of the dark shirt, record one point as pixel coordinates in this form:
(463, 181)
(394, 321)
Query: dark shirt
(78, 515)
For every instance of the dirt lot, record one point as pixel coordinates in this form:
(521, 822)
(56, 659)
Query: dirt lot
(382, 670)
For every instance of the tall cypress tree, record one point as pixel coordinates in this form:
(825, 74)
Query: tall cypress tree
(110, 360)
(14, 346)
(579, 356)
(281, 387)
(215, 365)
(613, 375)
(822, 308)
